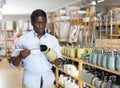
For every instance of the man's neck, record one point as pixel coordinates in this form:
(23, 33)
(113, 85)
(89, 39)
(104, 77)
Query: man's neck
(41, 34)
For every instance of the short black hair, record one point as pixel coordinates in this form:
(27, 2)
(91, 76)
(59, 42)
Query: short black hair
(38, 12)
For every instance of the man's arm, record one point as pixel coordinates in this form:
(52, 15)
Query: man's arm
(23, 54)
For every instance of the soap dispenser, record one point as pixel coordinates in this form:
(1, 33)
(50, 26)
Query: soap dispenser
(111, 61)
(100, 57)
(104, 84)
(117, 65)
(109, 83)
(115, 84)
(94, 57)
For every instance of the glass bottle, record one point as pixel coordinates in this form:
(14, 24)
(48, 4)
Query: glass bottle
(93, 82)
(117, 65)
(99, 81)
(111, 61)
(115, 84)
(104, 60)
(109, 83)
(0, 53)
(100, 57)
(104, 84)
(94, 57)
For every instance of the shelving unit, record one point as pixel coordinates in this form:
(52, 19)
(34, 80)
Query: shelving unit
(81, 62)
(80, 82)
(108, 43)
(61, 70)
(2, 42)
(114, 22)
(75, 77)
(61, 19)
(9, 42)
(105, 69)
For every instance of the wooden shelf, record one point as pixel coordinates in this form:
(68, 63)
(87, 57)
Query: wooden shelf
(68, 74)
(115, 22)
(71, 58)
(90, 64)
(115, 9)
(91, 86)
(115, 35)
(105, 69)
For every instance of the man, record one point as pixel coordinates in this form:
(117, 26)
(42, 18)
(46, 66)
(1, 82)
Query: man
(37, 68)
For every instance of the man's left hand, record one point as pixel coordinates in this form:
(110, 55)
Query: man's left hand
(56, 62)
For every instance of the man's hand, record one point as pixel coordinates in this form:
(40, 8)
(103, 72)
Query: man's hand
(24, 53)
(57, 62)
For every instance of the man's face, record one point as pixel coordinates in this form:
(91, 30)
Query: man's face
(39, 24)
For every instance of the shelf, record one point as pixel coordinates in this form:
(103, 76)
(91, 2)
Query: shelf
(10, 39)
(115, 9)
(90, 64)
(115, 35)
(91, 86)
(105, 69)
(71, 58)
(115, 22)
(68, 74)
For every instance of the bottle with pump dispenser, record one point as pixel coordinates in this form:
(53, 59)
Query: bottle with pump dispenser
(111, 61)
(100, 57)
(105, 58)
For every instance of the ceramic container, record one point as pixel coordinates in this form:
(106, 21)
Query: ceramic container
(80, 51)
(63, 50)
(68, 51)
(50, 54)
(73, 52)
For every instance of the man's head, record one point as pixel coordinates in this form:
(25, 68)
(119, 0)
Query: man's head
(38, 21)
(38, 12)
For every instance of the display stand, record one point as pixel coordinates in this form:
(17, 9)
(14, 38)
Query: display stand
(81, 82)
(114, 22)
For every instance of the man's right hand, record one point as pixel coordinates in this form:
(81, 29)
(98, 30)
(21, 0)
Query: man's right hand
(24, 53)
